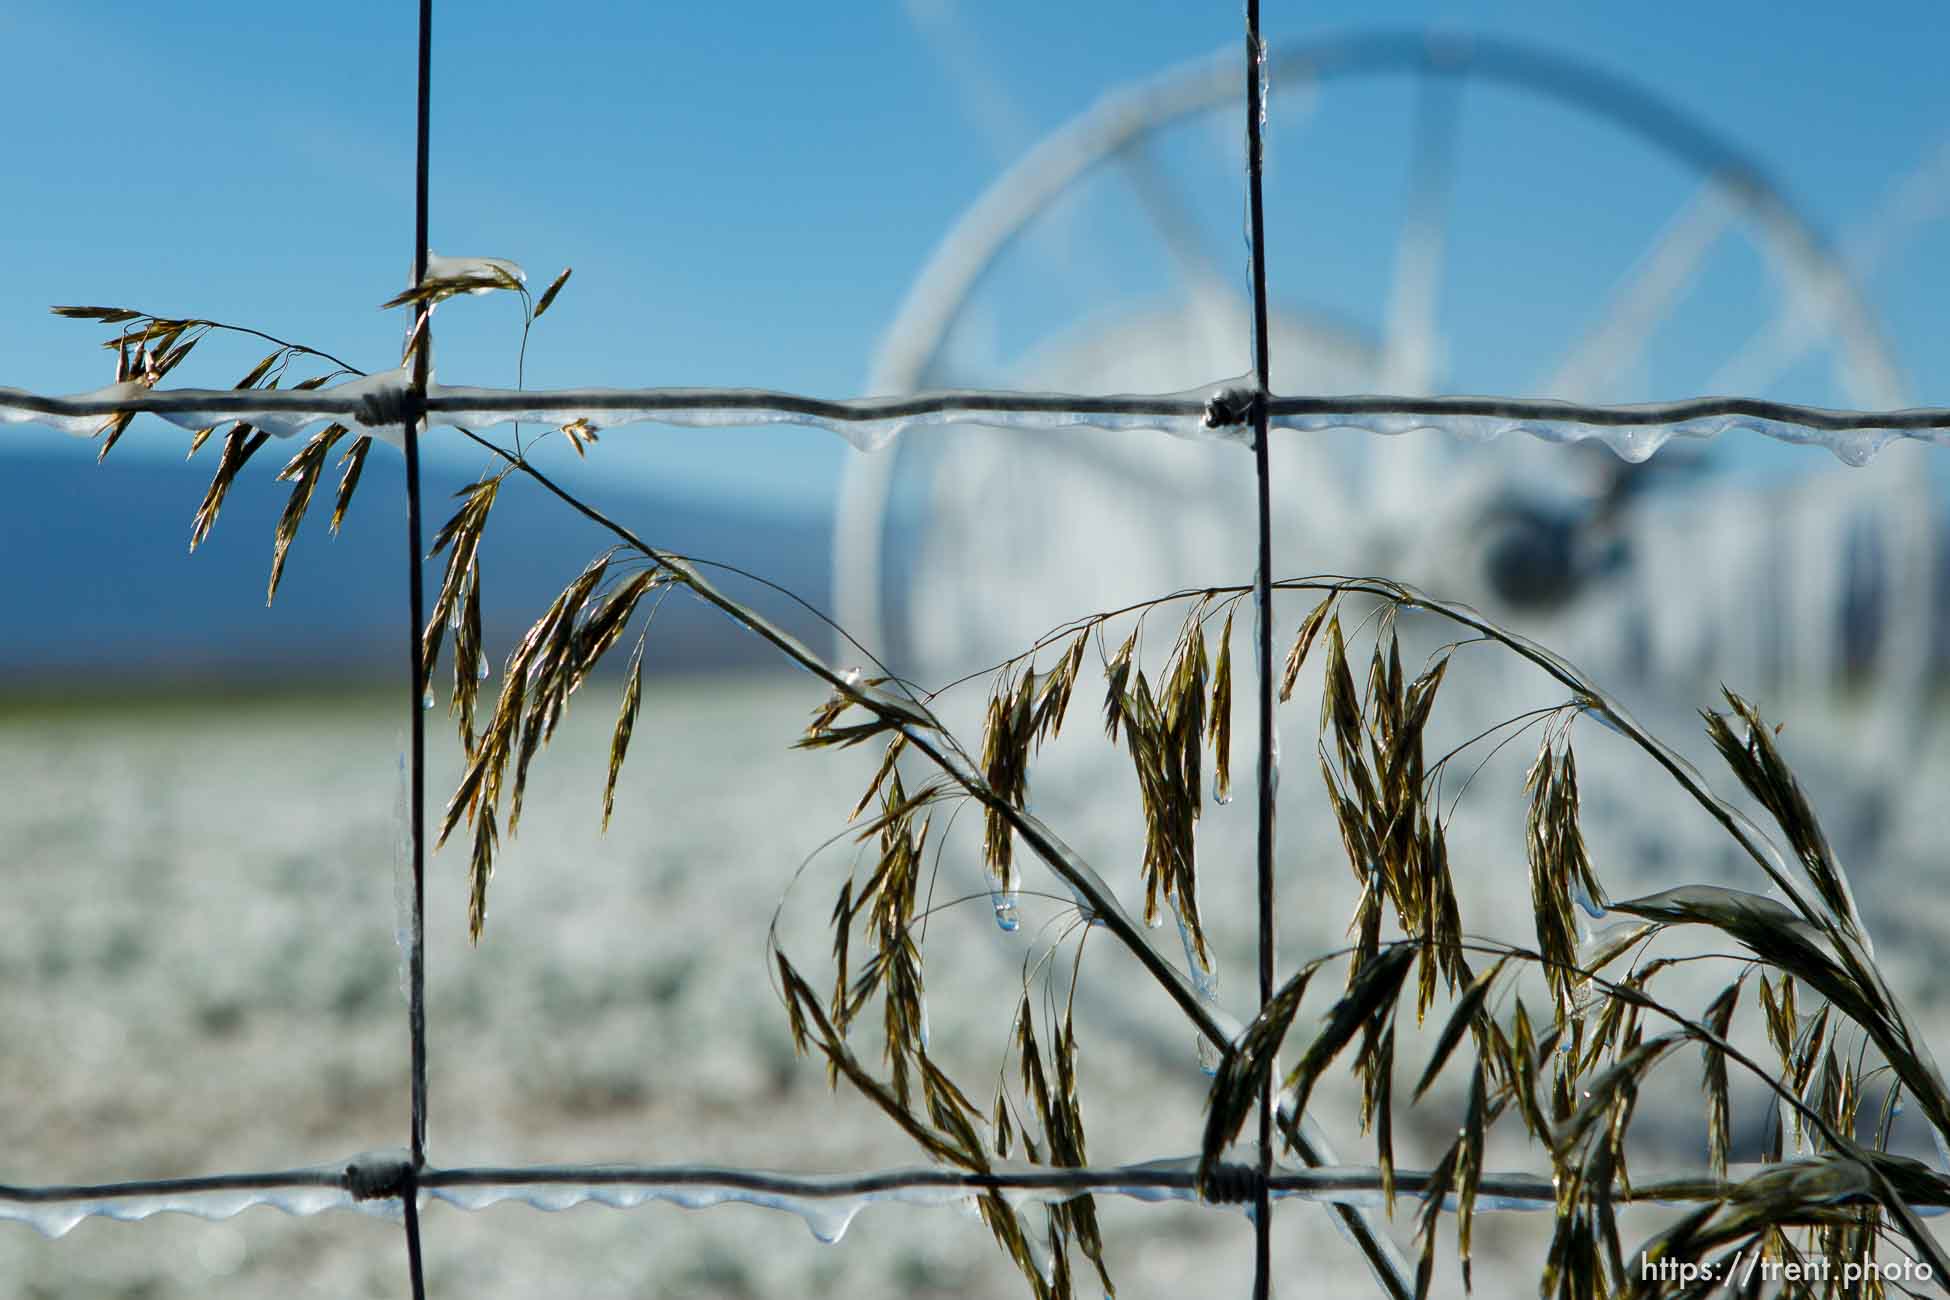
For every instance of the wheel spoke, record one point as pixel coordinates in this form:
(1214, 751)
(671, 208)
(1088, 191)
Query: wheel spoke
(1613, 343)
(1171, 214)
(1806, 321)
(1213, 296)
(1410, 343)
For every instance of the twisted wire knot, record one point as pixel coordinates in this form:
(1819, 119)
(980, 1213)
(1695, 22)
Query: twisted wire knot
(1230, 1184)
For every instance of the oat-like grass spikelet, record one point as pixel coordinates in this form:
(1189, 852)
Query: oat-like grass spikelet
(354, 464)
(1220, 728)
(547, 299)
(302, 471)
(619, 742)
(239, 445)
(1297, 656)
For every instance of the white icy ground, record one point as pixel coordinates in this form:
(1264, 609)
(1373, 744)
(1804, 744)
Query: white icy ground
(211, 991)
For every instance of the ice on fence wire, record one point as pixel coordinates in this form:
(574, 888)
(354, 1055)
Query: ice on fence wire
(827, 1215)
(1260, 614)
(377, 405)
(487, 272)
(869, 423)
(827, 1203)
(309, 1191)
(1634, 442)
(14, 410)
(406, 924)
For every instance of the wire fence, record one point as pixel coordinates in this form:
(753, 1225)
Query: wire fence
(400, 406)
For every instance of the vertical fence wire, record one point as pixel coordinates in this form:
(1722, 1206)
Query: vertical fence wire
(415, 1269)
(416, 961)
(1262, 625)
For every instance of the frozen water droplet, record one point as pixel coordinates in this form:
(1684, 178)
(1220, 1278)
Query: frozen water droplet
(426, 701)
(1582, 897)
(1220, 794)
(1205, 974)
(828, 1221)
(453, 617)
(481, 669)
(1007, 918)
(1208, 1057)
(924, 1024)
(1206, 981)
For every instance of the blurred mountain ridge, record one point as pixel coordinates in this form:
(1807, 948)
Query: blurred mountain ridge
(99, 582)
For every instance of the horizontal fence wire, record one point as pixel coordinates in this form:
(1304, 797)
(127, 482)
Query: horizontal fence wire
(382, 404)
(1220, 405)
(373, 1180)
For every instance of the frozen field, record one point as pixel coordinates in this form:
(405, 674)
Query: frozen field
(198, 974)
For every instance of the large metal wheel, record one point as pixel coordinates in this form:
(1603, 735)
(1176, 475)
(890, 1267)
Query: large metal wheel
(1015, 532)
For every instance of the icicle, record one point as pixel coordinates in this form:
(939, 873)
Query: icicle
(426, 700)
(1260, 614)
(1205, 980)
(1205, 975)
(1582, 897)
(1630, 442)
(1007, 917)
(1039, 1254)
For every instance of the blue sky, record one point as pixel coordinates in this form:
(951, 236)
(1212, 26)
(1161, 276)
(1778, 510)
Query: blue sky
(747, 192)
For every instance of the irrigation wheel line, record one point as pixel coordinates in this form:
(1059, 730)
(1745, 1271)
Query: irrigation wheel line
(1117, 128)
